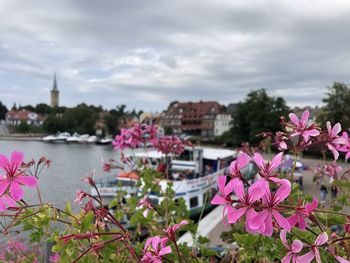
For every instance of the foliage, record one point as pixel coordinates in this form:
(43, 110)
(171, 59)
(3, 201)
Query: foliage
(3, 111)
(258, 113)
(337, 106)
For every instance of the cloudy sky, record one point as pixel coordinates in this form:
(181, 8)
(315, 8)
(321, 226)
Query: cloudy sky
(148, 53)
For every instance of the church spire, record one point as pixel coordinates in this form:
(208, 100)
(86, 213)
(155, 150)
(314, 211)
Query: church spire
(54, 82)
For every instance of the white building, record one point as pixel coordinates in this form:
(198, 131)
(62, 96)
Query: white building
(222, 123)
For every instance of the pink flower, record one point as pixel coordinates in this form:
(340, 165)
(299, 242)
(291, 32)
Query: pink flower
(6, 201)
(345, 147)
(14, 178)
(280, 141)
(300, 126)
(223, 196)
(170, 144)
(145, 203)
(171, 230)
(54, 258)
(236, 166)
(292, 250)
(333, 140)
(80, 195)
(263, 220)
(300, 213)
(245, 202)
(266, 169)
(155, 248)
(314, 252)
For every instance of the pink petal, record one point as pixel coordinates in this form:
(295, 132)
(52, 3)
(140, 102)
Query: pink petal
(258, 220)
(336, 129)
(312, 132)
(30, 181)
(230, 186)
(10, 202)
(238, 188)
(235, 214)
(307, 258)
(329, 127)
(317, 255)
(2, 204)
(145, 213)
(283, 237)
(321, 239)
(347, 156)
(256, 191)
(3, 185)
(302, 224)
(304, 118)
(335, 154)
(282, 192)
(287, 258)
(339, 140)
(4, 162)
(294, 119)
(268, 228)
(297, 246)
(276, 161)
(221, 183)
(155, 241)
(17, 158)
(250, 214)
(165, 250)
(218, 200)
(293, 220)
(16, 191)
(233, 167)
(283, 145)
(281, 221)
(243, 160)
(259, 160)
(311, 206)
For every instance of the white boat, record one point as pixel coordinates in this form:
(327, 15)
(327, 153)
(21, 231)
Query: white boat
(105, 140)
(84, 138)
(74, 138)
(92, 139)
(59, 138)
(193, 174)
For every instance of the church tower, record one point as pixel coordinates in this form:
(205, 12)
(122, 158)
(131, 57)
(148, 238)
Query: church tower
(54, 93)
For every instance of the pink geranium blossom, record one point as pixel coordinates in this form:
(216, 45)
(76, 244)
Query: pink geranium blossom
(223, 196)
(236, 166)
(334, 142)
(292, 250)
(14, 178)
(266, 169)
(301, 128)
(146, 204)
(263, 220)
(314, 252)
(280, 141)
(346, 147)
(245, 202)
(155, 248)
(171, 230)
(301, 212)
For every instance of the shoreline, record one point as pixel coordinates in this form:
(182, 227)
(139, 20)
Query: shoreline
(21, 137)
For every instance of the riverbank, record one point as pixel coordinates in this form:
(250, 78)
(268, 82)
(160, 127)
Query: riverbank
(22, 137)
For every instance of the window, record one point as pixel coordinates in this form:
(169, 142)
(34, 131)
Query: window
(194, 202)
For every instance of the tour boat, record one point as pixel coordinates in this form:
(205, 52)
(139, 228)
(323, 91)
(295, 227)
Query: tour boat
(194, 176)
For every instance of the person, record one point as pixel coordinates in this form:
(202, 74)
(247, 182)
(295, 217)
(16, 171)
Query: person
(323, 192)
(334, 192)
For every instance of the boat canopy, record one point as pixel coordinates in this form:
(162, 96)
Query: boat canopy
(214, 154)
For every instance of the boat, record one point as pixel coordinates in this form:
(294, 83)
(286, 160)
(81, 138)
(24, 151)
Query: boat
(75, 138)
(84, 138)
(59, 138)
(194, 176)
(92, 139)
(104, 141)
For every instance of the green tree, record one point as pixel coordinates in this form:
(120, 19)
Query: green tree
(23, 127)
(54, 124)
(3, 111)
(337, 106)
(114, 118)
(43, 108)
(258, 113)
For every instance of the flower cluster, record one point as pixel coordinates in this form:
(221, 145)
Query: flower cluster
(138, 135)
(12, 179)
(170, 145)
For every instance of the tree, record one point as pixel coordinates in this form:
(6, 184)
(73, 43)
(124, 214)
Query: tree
(258, 113)
(43, 108)
(3, 111)
(337, 106)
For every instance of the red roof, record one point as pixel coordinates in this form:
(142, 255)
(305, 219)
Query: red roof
(193, 110)
(24, 115)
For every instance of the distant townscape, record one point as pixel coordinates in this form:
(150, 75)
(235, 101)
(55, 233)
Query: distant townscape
(200, 120)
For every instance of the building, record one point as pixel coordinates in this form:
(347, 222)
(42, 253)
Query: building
(203, 118)
(54, 94)
(15, 118)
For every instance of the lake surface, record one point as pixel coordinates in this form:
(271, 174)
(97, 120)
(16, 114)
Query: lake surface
(70, 162)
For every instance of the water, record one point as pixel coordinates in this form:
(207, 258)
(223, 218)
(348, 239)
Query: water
(70, 162)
